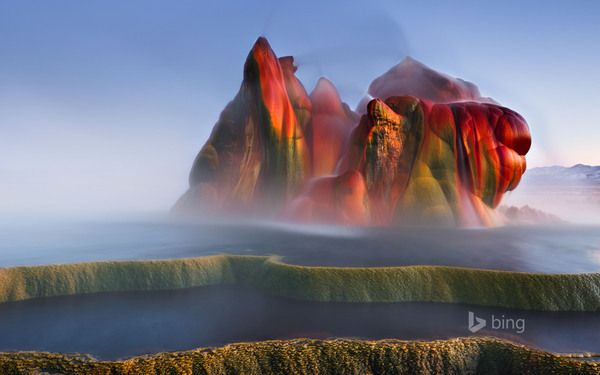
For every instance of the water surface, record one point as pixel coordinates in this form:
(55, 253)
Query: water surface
(118, 325)
(559, 249)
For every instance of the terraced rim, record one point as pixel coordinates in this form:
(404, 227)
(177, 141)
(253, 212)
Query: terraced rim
(304, 356)
(519, 290)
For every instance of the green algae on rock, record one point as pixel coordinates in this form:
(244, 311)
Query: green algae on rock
(532, 291)
(305, 356)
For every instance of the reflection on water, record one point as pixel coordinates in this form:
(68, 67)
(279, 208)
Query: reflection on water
(561, 249)
(118, 325)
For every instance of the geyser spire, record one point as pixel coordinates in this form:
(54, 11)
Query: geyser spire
(256, 156)
(428, 149)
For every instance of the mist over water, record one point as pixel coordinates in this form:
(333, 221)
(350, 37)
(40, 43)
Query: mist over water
(571, 201)
(548, 249)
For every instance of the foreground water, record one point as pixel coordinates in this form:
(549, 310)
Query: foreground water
(559, 249)
(117, 325)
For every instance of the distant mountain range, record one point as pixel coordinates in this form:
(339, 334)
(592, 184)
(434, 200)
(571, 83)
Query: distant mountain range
(570, 193)
(579, 173)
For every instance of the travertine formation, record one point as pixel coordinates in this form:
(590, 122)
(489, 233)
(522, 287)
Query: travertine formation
(427, 149)
(467, 355)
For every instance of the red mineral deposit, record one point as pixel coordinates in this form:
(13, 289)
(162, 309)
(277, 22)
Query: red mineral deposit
(424, 148)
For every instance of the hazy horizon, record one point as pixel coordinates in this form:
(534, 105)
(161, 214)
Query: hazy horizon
(104, 104)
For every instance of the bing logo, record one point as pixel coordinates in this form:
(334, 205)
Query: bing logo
(503, 323)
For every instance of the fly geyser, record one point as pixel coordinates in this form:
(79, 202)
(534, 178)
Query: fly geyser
(422, 148)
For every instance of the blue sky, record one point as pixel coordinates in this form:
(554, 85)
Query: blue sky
(104, 104)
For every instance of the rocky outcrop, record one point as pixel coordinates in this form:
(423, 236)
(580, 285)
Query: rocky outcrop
(256, 156)
(428, 149)
(341, 199)
(331, 124)
(436, 163)
(513, 215)
(411, 77)
(467, 355)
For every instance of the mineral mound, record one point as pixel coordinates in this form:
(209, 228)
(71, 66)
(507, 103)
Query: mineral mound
(422, 148)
